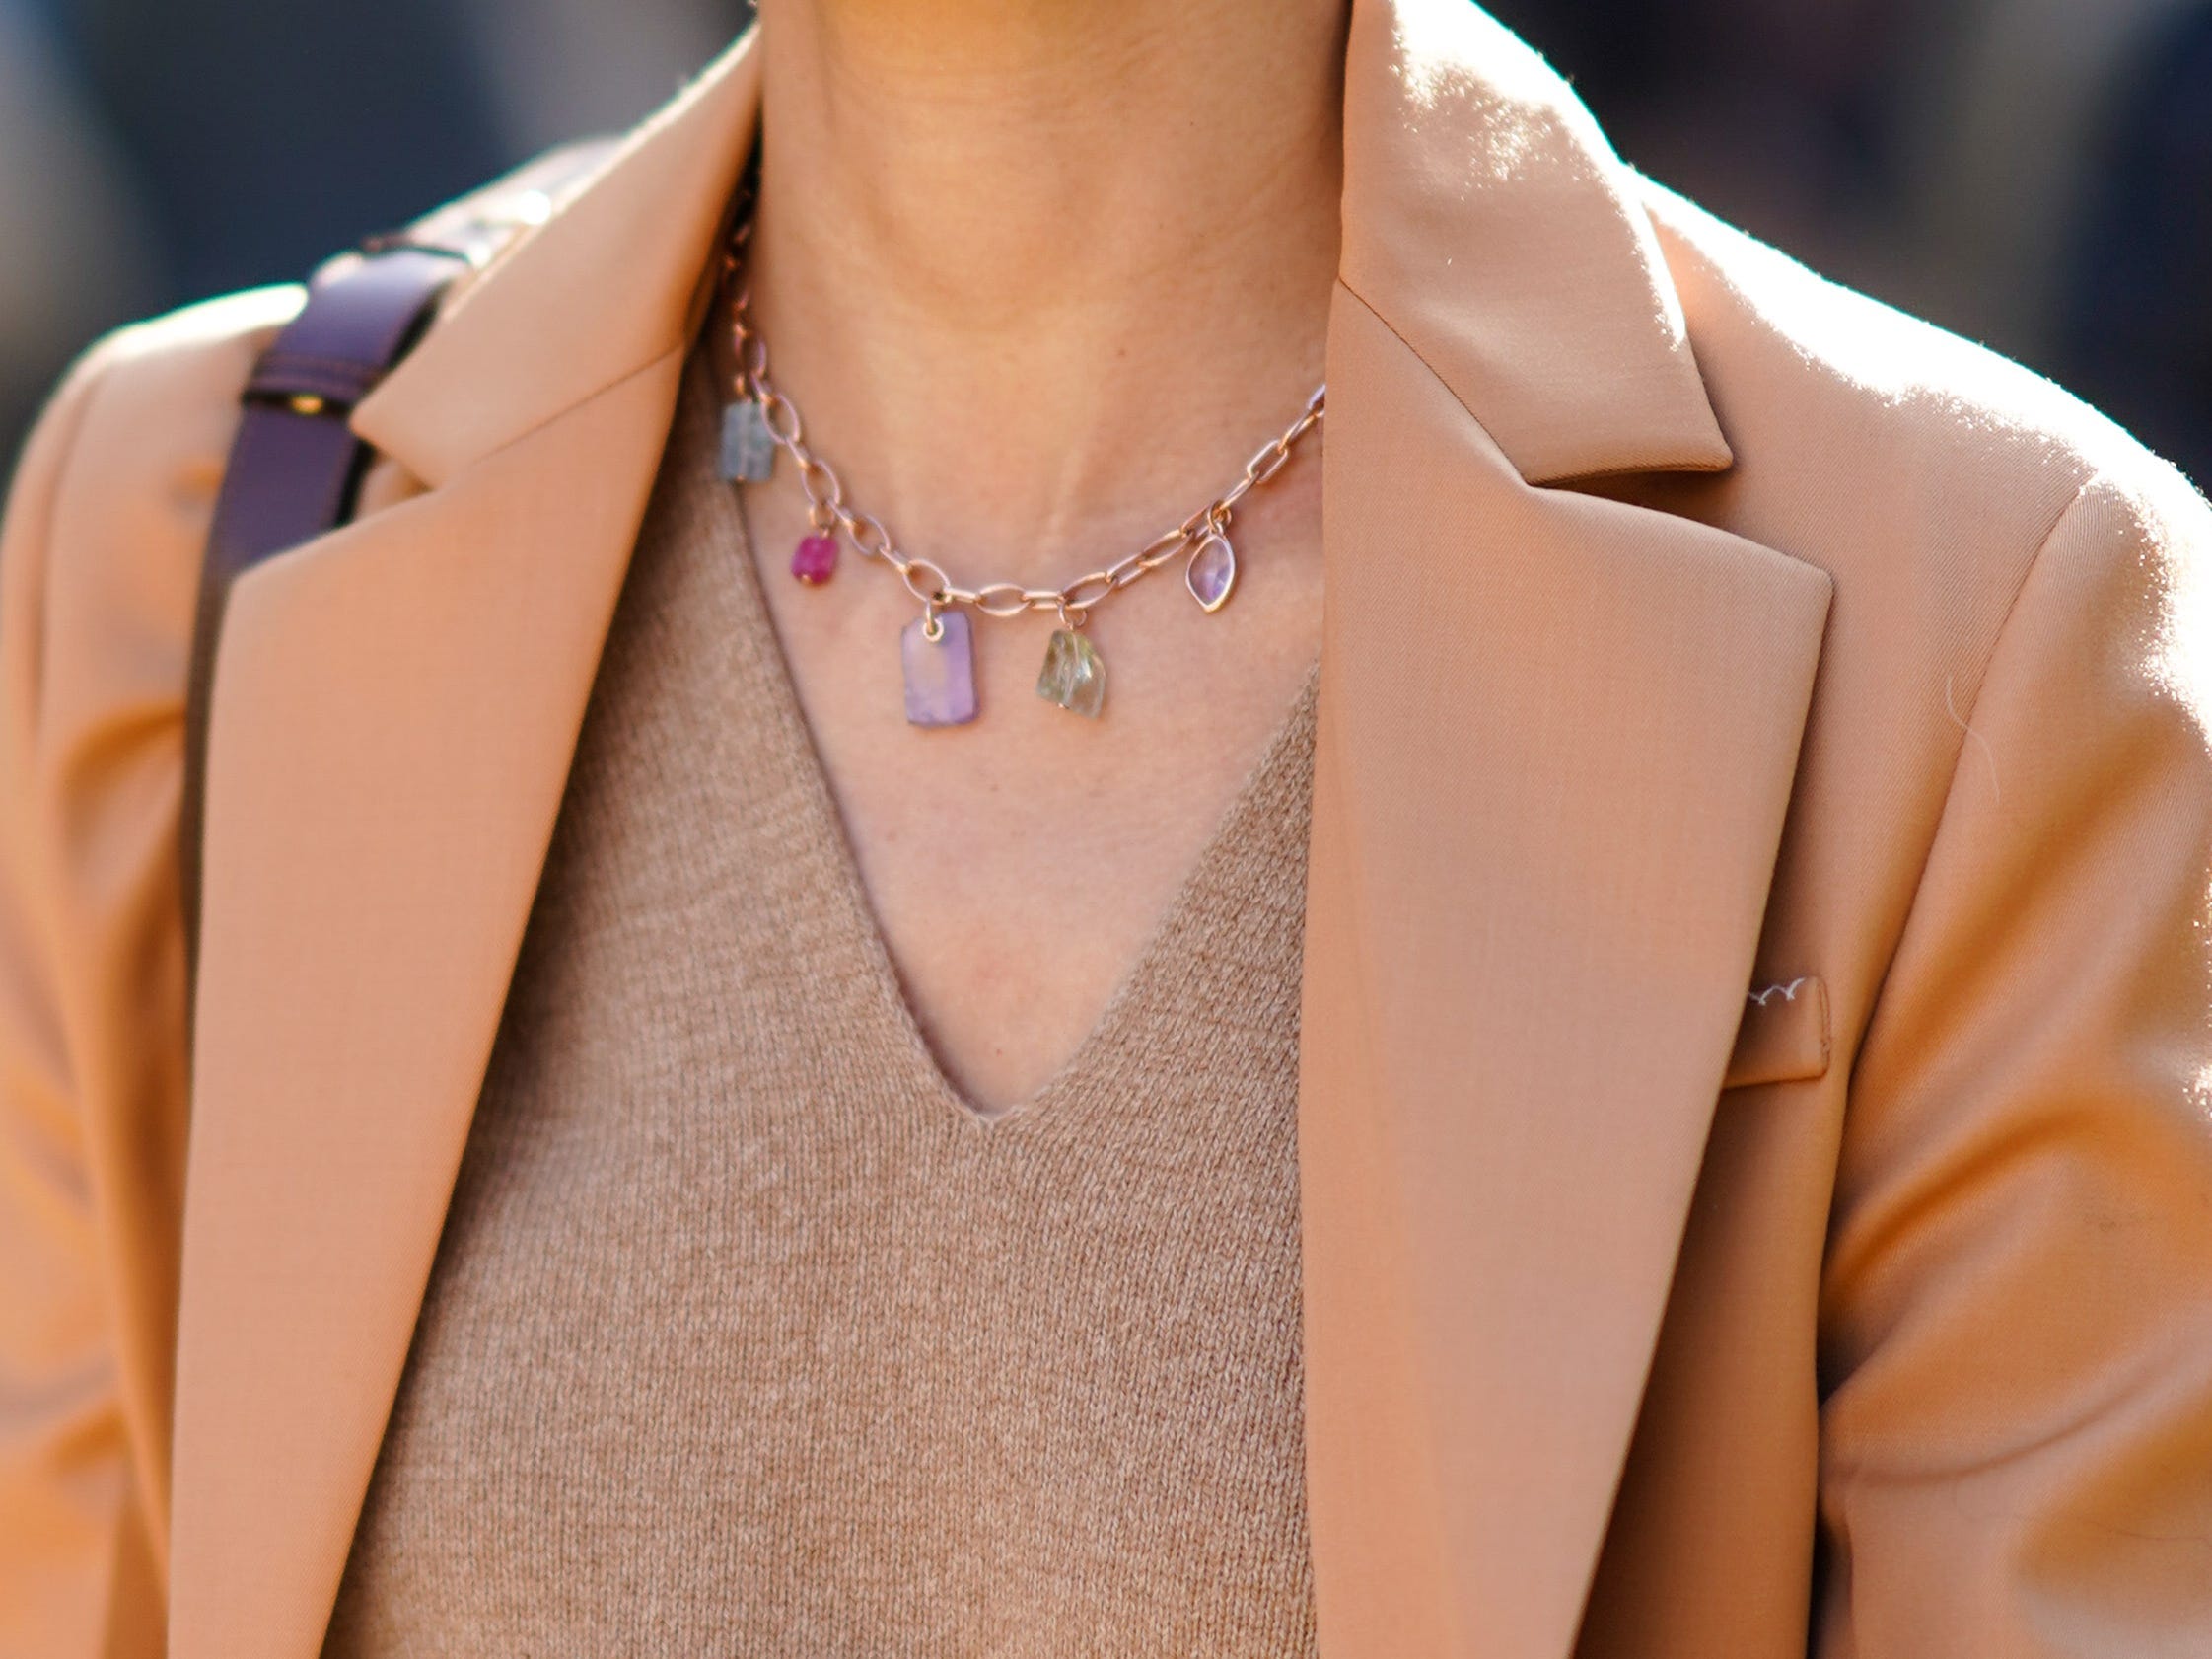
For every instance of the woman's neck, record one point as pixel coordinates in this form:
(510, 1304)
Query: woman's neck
(1038, 271)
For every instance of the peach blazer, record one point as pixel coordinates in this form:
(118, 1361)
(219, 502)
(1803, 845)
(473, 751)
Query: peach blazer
(1755, 1107)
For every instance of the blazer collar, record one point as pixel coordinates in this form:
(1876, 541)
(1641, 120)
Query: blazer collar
(615, 277)
(1485, 220)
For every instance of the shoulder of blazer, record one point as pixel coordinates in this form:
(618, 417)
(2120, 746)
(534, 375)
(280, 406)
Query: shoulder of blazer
(1818, 383)
(141, 430)
(294, 467)
(139, 451)
(1923, 472)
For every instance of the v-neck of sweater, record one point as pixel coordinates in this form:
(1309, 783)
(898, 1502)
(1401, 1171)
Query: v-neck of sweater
(1144, 999)
(743, 1334)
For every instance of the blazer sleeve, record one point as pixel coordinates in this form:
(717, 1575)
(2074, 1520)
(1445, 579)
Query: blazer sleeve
(96, 571)
(2016, 1305)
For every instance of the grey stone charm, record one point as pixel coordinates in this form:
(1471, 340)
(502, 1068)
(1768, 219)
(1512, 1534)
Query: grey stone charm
(749, 453)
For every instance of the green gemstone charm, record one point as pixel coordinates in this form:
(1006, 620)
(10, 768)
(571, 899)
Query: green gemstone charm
(1074, 673)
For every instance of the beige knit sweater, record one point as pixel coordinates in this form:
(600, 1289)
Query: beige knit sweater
(744, 1337)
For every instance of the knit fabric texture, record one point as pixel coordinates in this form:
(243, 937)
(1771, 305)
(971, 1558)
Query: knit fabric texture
(744, 1335)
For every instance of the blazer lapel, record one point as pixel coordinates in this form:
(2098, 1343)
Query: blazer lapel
(393, 721)
(394, 714)
(1557, 742)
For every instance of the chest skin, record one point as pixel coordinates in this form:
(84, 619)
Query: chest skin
(1017, 865)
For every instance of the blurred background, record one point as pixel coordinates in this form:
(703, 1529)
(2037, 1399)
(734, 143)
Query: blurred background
(2035, 173)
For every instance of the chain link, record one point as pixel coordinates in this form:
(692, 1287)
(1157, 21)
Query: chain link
(829, 512)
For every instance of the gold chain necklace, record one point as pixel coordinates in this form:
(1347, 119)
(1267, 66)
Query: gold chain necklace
(937, 650)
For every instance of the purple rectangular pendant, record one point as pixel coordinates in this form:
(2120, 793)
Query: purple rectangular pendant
(940, 672)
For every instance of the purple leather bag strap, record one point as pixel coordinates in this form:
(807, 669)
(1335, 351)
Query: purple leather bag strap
(295, 466)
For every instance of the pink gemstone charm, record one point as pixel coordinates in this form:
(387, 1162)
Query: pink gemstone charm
(816, 561)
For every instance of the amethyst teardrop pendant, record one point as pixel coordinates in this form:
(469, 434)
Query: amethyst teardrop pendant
(1212, 571)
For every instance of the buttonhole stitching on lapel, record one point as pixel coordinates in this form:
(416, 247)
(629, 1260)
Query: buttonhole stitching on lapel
(1788, 993)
